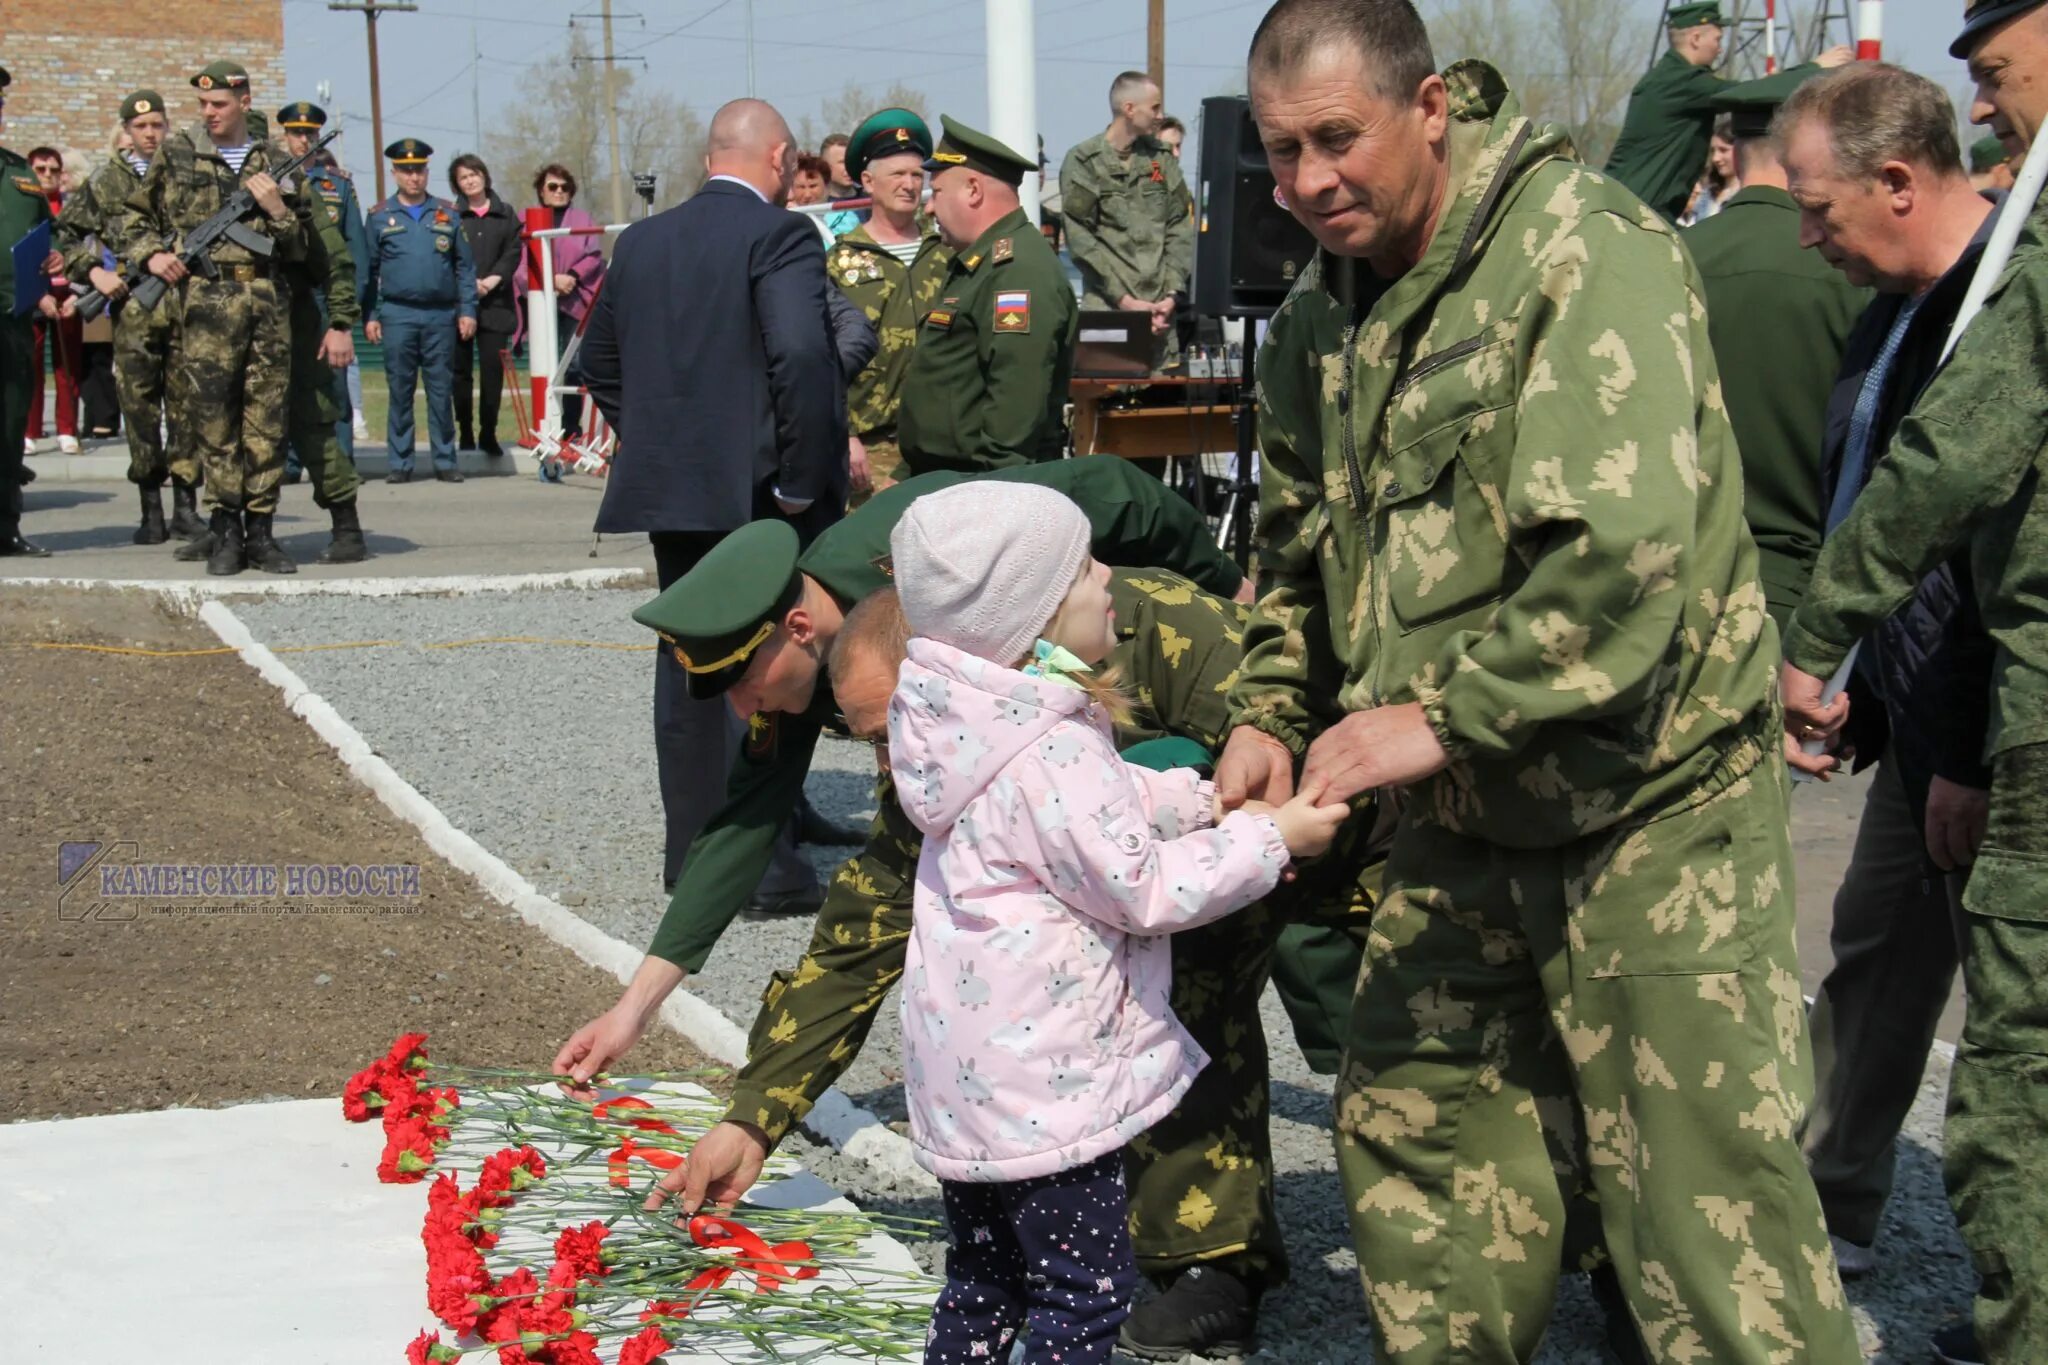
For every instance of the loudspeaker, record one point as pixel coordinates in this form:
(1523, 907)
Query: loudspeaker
(1248, 248)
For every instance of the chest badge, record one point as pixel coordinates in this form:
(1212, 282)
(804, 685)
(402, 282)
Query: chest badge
(939, 318)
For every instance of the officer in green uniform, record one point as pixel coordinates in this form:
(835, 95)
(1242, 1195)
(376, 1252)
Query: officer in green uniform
(987, 386)
(1964, 474)
(326, 305)
(891, 267)
(22, 206)
(1670, 120)
(1202, 1178)
(1779, 316)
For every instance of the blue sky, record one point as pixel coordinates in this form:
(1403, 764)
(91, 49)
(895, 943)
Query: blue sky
(807, 50)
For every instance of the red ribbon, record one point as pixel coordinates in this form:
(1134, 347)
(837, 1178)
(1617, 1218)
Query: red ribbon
(604, 1111)
(653, 1156)
(770, 1266)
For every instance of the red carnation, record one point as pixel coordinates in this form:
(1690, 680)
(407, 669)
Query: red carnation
(409, 1147)
(644, 1348)
(578, 1348)
(408, 1052)
(511, 1169)
(363, 1096)
(501, 1323)
(581, 1251)
(428, 1349)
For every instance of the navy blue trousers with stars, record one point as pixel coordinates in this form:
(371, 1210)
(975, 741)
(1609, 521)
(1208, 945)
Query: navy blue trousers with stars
(1052, 1253)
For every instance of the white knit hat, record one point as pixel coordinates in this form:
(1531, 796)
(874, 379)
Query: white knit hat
(984, 566)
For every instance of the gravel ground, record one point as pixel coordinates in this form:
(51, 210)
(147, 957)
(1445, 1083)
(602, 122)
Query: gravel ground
(543, 754)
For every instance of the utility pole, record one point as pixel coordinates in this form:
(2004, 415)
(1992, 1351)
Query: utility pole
(750, 49)
(611, 113)
(1155, 44)
(370, 9)
(476, 106)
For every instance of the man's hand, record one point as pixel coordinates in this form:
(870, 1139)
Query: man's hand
(1388, 746)
(1821, 767)
(1807, 719)
(53, 264)
(1247, 592)
(565, 284)
(268, 197)
(723, 1165)
(69, 306)
(338, 348)
(1254, 767)
(47, 306)
(597, 1046)
(486, 284)
(1956, 816)
(465, 328)
(110, 285)
(1839, 55)
(166, 266)
(1162, 316)
(858, 477)
(373, 332)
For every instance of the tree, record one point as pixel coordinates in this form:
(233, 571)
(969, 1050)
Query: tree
(844, 112)
(1571, 62)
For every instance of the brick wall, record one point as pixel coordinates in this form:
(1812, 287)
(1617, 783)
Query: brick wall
(73, 60)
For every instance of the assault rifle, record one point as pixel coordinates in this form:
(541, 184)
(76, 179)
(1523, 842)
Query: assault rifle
(146, 290)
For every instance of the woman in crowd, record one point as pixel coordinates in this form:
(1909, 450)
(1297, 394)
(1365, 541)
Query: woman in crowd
(493, 232)
(809, 185)
(578, 266)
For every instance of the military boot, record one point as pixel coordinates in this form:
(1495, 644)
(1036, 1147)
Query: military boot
(202, 545)
(347, 546)
(262, 551)
(186, 523)
(152, 531)
(1207, 1312)
(227, 556)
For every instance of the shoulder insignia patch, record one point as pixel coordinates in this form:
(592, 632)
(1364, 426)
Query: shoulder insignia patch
(938, 317)
(1013, 310)
(28, 184)
(760, 736)
(1002, 251)
(969, 262)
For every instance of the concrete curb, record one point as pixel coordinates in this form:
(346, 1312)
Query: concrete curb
(187, 592)
(847, 1126)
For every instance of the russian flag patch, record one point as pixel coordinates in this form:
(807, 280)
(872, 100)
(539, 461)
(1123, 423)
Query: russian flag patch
(1013, 310)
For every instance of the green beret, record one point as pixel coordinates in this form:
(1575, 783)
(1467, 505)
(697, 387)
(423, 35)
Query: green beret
(1987, 154)
(1695, 16)
(302, 116)
(222, 76)
(885, 134)
(1981, 17)
(143, 102)
(408, 151)
(964, 146)
(719, 613)
(1751, 105)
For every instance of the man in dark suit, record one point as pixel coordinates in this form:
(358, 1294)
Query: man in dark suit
(710, 351)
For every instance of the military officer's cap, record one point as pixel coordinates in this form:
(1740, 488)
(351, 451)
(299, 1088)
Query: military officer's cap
(964, 146)
(222, 76)
(1751, 105)
(885, 134)
(302, 116)
(1981, 16)
(1987, 153)
(408, 151)
(1695, 16)
(140, 103)
(719, 614)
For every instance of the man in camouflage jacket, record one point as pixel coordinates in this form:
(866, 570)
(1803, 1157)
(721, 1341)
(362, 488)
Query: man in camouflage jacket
(1506, 569)
(894, 296)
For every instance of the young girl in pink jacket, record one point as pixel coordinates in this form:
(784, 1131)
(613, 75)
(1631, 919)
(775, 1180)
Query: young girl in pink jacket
(1037, 1038)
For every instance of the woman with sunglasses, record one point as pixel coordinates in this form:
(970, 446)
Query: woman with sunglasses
(578, 264)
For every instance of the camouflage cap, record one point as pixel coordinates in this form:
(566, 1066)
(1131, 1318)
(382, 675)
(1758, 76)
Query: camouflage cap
(1987, 153)
(1980, 17)
(1696, 15)
(140, 103)
(976, 150)
(885, 134)
(222, 76)
(302, 116)
(408, 151)
(719, 614)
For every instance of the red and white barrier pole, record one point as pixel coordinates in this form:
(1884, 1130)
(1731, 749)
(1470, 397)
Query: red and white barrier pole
(1770, 37)
(540, 318)
(1870, 30)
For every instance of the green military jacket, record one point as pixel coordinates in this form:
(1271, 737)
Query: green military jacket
(22, 206)
(987, 382)
(1129, 219)
(1503, 485)
(186, 184)
(895, 296)
(328, 268)
(1134, 520)
(1964, 472)
(1666, 133)
(94, 216)
(1779, 316)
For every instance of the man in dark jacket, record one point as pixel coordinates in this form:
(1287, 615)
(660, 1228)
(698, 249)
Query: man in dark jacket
(710, 351)
(493, 232)
(1912, 227)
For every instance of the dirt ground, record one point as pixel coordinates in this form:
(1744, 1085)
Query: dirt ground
(112, 1005)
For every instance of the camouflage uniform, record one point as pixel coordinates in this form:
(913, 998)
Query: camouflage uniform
(1503, 486)
(1130, 225)
(144, 338)
(1201, 1180)
(894, 296)
(323, 295)
(233, 358)
(1964, 475)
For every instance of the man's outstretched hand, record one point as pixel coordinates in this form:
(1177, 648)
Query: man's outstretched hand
(722, 1166)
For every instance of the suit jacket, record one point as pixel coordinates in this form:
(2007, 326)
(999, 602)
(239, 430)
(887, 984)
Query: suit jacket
(710, 351)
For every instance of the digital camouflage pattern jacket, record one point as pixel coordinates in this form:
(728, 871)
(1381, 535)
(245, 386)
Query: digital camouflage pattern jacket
(894, 296)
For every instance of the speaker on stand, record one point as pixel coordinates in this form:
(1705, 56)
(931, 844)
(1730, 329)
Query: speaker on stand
(1248, 252)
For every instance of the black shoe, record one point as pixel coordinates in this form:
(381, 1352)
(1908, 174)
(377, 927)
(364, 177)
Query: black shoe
(1207, 1312)
(24, 549)
(399, 476)
(1956, 1344)
(261, 550)
(467, 442)
(448, 475)
(229, 555)
(491, 447)
(805, 902)
(813, 828)
(292, 474)
(28, 476)
(347, 546)
(186, 523)
(152, 531)
(1624, 1346)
